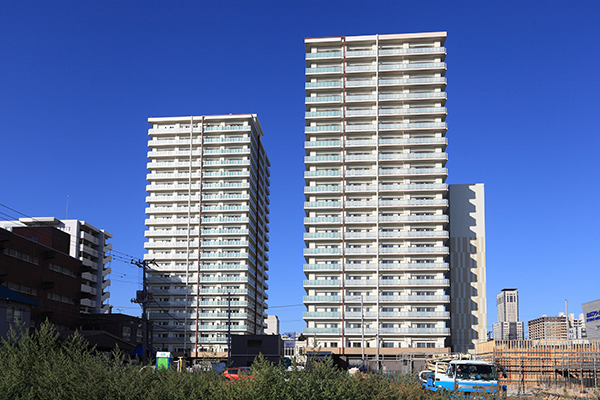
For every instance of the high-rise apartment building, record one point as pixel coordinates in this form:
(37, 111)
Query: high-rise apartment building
(207, 230)
(508, 326)
(546, 327)
(87, 243)
(376, 198)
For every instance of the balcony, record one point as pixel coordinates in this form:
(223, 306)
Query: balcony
(322, 282)
(321, 299)
(420, 125)
(416, 299)
(443, 203)
(403, 66)
(317, 85)
(322, 220)
(322, 188)
(415, 187)
(322, 267)
(322, 251)
(323, 99)
(415, 218)
(322, 143)
(415, 266)
(322, 204)
(324, 70)
(317, 114)
(308, 314)
(324, 54)
(413, 81)
(419, 50)
(90, 238)
(309, 159)
(435, 140)
(323, 128)
(413, 171)
(322, 330)
(415, 282)
(416, 314)
(322, 173)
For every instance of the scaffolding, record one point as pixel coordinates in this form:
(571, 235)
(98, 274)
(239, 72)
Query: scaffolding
(533, 364)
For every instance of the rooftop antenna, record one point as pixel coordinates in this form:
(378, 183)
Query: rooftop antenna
(67, 217)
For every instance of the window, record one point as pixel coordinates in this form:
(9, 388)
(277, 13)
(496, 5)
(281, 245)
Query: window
(424, 325)
(13, 315)
(127, 333)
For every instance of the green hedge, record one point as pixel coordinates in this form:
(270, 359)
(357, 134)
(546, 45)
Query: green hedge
(39, 366)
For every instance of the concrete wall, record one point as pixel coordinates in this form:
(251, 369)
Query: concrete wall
(468, 296)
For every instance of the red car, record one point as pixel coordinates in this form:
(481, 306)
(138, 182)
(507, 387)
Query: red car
(233, 374)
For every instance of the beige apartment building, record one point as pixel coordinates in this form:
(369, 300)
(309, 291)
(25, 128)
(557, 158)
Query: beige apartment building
(376, 226)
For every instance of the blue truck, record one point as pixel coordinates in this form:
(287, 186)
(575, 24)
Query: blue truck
(465, 376)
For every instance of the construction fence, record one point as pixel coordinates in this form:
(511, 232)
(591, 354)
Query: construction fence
(531, 364)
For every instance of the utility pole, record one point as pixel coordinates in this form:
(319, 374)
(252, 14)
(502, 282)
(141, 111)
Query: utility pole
(362, 328)
(229, 329)
(143, 298)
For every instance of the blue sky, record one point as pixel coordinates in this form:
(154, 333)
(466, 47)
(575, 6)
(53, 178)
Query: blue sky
(80, 79)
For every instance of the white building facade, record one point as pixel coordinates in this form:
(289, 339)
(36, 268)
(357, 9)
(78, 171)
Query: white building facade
(207, 230)
(468, 291)
(90, 245)
(375, 192)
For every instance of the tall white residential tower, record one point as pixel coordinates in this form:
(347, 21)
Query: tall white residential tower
(207, 226)
(376, 197)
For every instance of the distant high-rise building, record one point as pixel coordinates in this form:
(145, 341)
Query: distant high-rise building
(207, 230)
(546, 327)
(87, 243)
(561, 327)
(508, 326)
(375, 193)
(577, 328)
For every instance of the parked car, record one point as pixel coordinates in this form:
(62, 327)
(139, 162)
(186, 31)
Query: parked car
(233, 374)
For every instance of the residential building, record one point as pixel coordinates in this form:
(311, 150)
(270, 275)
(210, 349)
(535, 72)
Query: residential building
(468, 293)
(207, 230)
(35, 263)
(508, 326)
(88, 244)
(272, 325)
(546, 327)
(376, 198)
(577, 328)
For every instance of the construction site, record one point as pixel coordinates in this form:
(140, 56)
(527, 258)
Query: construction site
(544, 364)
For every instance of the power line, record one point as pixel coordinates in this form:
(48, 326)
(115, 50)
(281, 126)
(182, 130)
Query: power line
(119, 256)
(288, 305)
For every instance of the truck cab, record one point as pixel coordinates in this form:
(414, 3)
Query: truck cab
(466, 376)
